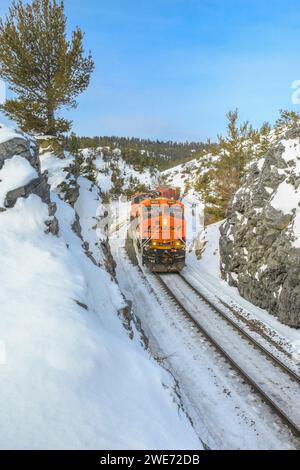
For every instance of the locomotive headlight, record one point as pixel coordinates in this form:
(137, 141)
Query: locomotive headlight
(178, 243)
(154, 243)
(165, 221)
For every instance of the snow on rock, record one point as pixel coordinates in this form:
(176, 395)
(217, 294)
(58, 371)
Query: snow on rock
(270, 202)
(285, 198)
(20, 174)
(15, 173)
(72, 378)
(16, 143)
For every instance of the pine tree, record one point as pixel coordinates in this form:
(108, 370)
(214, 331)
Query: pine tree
(219, 183)
(44, 70)
(287, 120)
(89, 170)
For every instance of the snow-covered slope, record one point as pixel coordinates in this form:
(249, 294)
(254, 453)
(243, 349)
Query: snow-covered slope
(184, 176)
(71, 376)
(113, 174)
(181, 175)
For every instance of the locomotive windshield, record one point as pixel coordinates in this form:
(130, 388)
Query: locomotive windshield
(167, 211)
(151, 212)
(173, 211)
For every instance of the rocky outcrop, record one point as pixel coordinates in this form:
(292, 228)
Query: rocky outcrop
(22, 146)
(38, 186)
(260, 239)
(18, 144)
(69, 190)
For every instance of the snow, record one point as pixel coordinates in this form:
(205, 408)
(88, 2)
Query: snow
(269, 190)
(56, 167)
(88, 206)
(15, 173)
(72, 377)
(210, 258)
(260, 163)
(6, 133)
(292, 152)
(286, 198)
(186, 173)
(127, 172)
(194, 217)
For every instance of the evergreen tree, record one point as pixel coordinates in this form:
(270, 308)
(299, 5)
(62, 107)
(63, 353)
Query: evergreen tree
(219, 183)
(287, 119)
(44, 70)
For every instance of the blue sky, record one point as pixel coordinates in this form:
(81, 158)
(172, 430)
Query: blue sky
(171, 69)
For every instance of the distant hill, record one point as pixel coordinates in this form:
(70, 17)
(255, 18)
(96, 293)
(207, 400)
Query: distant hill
(143, 152)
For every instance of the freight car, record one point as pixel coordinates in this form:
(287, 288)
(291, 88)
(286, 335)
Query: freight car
(160, 232)
(170, 192)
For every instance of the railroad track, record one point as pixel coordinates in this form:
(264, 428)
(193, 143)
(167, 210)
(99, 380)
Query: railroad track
(244, 333)
(274, 381)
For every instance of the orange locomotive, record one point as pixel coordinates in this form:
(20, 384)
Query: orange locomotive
(160, 228)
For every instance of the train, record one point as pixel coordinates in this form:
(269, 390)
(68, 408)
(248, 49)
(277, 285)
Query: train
(160, 231)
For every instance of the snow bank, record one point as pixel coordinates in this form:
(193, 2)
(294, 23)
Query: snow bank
(71, 377)
(194, 218)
